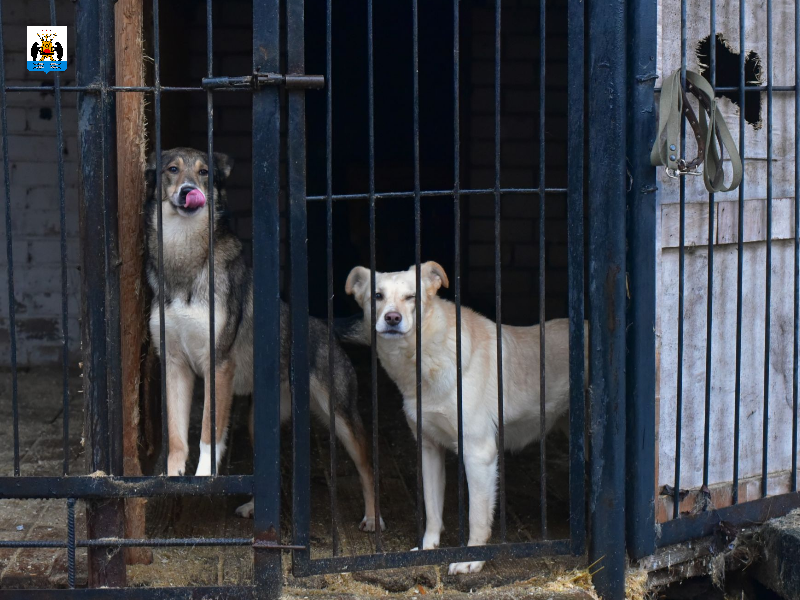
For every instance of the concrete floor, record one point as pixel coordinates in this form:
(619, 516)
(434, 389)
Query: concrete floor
(41, 453)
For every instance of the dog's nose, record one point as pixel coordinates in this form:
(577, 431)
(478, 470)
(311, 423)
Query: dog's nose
(393, 318)
(182, 195)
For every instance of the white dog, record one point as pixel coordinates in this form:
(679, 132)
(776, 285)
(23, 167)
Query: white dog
(395, 297)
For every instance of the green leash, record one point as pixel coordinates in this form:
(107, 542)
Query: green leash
(673, 106)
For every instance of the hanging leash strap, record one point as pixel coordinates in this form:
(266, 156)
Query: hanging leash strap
(711, 134)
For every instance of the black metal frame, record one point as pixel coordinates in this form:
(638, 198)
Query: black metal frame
(303, 563)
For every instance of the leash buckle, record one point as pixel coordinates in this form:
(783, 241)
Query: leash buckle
(682, 170)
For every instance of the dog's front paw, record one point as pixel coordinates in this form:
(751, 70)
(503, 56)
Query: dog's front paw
(176, 465)
(368, 524)
(466, 567)
(203, 468)
(204, 462)
(245, 510)
(430, 541)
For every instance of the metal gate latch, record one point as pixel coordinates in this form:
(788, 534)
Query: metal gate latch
(258, 80)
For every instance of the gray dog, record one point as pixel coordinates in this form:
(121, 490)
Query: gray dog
(185, 214)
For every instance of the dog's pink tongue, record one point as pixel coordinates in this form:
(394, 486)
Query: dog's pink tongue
(195, 199)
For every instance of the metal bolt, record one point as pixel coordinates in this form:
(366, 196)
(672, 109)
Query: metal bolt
(672, 157)
(672, 147)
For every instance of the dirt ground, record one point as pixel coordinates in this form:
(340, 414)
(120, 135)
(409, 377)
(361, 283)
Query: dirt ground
(41, 451)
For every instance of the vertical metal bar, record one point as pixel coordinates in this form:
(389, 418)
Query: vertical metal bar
(712, 64)
(298, 286)
(417, 262)
(607, 189)
(12, 309)
(329, 222)
(542, 269)
(501, 463)
(768, 283)
(575, 245)
(71, 542)
(63, 249)
(462, 539)
(212, 367)
(641, 365)
(796, 241)
(162, 350)
(372, 269)
(100, 325)
(676, 500)
(266, 300)
(740, 262)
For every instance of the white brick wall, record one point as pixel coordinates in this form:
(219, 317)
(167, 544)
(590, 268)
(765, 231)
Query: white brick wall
(35, 215)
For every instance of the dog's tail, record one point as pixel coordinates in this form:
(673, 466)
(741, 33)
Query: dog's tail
(351, 330)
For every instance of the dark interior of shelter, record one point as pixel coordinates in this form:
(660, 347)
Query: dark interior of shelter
(184, 122)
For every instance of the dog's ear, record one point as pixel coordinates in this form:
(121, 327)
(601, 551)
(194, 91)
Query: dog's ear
(356, 284)
(433, 276)
(223, 164)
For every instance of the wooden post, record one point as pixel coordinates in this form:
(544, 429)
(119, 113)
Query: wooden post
(131, 189)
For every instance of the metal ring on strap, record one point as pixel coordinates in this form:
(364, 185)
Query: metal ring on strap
(673, 106)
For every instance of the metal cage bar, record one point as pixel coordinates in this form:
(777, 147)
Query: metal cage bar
(462, 539)
(642, 206)
(607, 185)
(768, 275)
(418, 264)
(712, 65)
(298, 288)
(740, 264)
(329, 232)
(267, 571)
(372, 270)
(575, 242)
(676, 500)
(211, 381)
(501, 463)
(796, 349)
(542, 270)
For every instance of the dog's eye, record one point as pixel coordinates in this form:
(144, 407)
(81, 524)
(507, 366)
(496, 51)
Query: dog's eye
(173, 169)
(411, 297)
(378, 296)
(203, 172)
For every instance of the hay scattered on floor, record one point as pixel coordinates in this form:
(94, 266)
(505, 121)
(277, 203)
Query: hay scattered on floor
(636, 585)
(577, 579)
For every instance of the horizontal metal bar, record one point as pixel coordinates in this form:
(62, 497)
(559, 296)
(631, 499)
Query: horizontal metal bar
(88, 486)
(258, 80)
(131, 543)
(111, 88)
(391, 560)
(745, 514)
(748, 88)
(139, 593)
(432, 193)
(291, 82)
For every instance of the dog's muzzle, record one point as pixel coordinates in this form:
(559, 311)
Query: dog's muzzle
(191, 199)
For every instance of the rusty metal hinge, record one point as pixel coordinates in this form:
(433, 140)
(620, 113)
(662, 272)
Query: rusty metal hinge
(259, 80)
